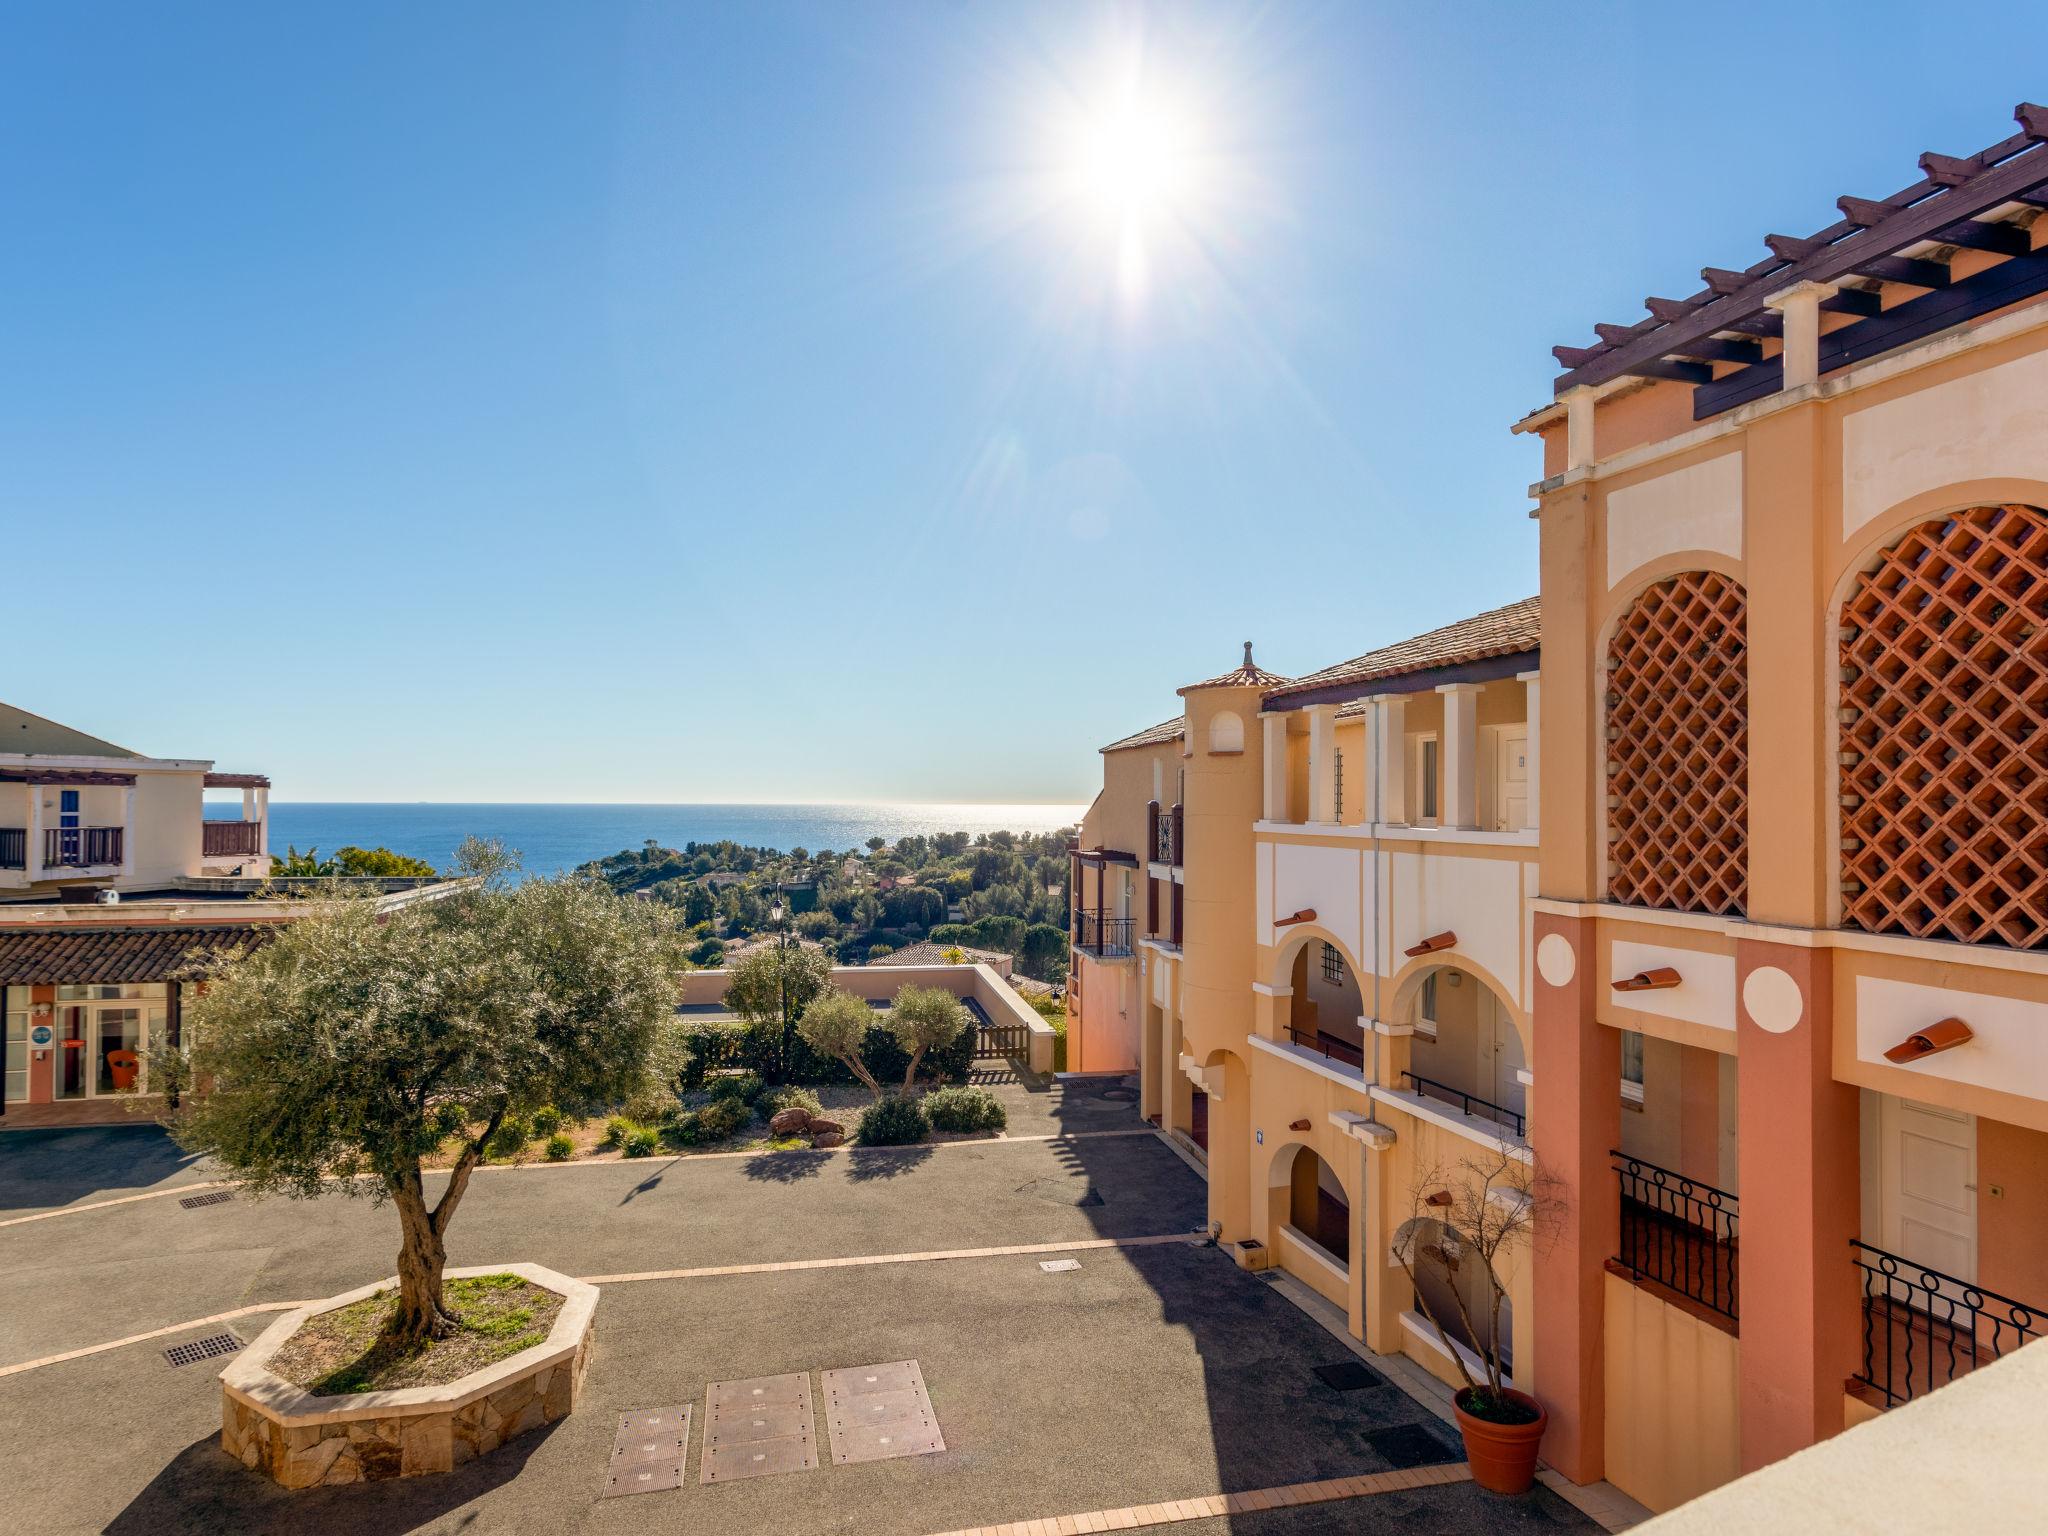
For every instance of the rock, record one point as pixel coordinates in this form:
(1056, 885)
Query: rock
(788, 1122)
(827, 1138)
(821, 1126)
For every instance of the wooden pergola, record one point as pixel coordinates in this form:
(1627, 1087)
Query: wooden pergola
(1713, 339)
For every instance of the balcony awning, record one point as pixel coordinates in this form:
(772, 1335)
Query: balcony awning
(67, 778)
(103, 956)
(1104, 856)
(238, 781)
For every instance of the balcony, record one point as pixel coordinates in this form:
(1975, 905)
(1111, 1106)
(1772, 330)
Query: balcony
(1474, 1107)
(82, 847)
(1104, 937)
(13, 847)
(231, 839)
(1166, 833)
(1922, 1329)
(1679, 1239)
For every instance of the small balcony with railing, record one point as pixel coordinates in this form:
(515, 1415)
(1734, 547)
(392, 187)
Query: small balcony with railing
(84, 847)
(1922, 1328)
(1679, 1240)
(230, 839)
(1103, 935)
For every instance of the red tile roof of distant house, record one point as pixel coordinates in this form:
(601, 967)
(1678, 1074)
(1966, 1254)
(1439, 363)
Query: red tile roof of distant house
(1164, 731)
(104, 956)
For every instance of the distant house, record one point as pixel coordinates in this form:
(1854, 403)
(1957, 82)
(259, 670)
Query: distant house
(719, 879)
(928, 953)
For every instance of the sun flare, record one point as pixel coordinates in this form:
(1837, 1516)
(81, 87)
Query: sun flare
(1135, 160)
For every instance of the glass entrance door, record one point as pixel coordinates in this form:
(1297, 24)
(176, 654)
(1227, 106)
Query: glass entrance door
(117, 1050)
(72, 1066)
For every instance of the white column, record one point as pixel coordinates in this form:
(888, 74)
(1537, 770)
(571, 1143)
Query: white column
(1532, 683)
(1800, 305)
(33, 863)
(1578, 427)
(127, 833)
(1322, 763)
(248, 805)
(263, 823)
(1461, 754)
(1276, 766)
(1392, 768)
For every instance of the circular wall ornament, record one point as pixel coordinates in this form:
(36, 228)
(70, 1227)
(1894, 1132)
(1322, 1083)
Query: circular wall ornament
(1554, 958)
(1773, 999)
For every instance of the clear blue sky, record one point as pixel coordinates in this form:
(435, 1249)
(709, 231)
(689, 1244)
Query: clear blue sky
(772, 402)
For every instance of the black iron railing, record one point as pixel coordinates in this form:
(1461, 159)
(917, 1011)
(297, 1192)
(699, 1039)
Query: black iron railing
(230, 839)
(1100, 935)
(1922, 1328)
(1333, 1046)
(13, 847)
(1680, 1233)
(1474, 1106)
(81, 847)
(1166, 835)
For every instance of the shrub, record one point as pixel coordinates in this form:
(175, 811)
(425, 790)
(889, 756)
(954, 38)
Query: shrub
(721, 1118)
(775, 1100)
(616, 1130)
(560, 1148)
(878, 951)
(644, 1142)
(896, 1121)
(547, 1120)
(926, 1019)
(684, 1130)
(965, 1109)
(745, 1088)
(705, 1047)
(707, 953)
(510, 1138)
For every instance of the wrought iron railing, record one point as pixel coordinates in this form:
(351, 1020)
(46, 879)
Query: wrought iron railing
(1474, 1106)
(1680, 1233)
(1922, 1328)
(230, 839)
(13, 847)
(1334, 1046)
(1102, 935)
(1166, 834)
(81, 847)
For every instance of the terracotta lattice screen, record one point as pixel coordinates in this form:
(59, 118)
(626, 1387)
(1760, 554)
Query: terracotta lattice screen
(1944, 751)
(1678, 748)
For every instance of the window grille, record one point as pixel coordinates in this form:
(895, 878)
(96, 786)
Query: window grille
(1944, 762)
(1678, 748)
(1333, 965)
(1429, 812)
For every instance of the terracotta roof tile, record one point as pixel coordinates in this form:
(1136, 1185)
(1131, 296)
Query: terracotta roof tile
(76, 956)
(1247, 675)
(1164, 731)
(1501, 632)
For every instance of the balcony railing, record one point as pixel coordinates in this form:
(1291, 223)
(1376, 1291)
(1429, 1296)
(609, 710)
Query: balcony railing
(231, 839)
(1679, 1233)
(1474, 1106)
(1922, 1329)
(1166, 833)
(13, 847)
(1333, 1046)
(81, 847)
(1100, 935)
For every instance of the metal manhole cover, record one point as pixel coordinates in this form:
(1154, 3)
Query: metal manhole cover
(649, 1477)
(760, 1392)
(652, 1435)
(203, 1349)
(1349, 1376)
(905, 1406)
(878, 1442)
(863, 1380)
(1121, 1095)
(1410, 1445)
(758, 1458)
(218, 1197)
(732, 1426)
(1077, 1192)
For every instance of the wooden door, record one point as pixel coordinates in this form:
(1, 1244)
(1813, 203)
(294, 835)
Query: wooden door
(1512, 802)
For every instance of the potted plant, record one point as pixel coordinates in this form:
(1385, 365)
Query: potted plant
(1464, 1218)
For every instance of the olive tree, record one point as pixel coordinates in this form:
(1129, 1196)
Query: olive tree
(772, 986)
(924, 1019)
(360, 1040)
(836, 1024)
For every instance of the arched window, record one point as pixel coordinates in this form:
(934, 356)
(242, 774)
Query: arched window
(1678, 748)
(1226, 731)
(1944, 755)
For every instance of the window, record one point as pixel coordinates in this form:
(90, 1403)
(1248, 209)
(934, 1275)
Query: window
(1632, 1068)
(1425, 1020)
(1429, 810)
(1333, 965)
(67, 808)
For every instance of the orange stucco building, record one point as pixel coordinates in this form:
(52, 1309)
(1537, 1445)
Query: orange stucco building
(1723, 901)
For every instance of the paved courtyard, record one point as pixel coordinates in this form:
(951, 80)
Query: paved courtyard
(1151, 1374)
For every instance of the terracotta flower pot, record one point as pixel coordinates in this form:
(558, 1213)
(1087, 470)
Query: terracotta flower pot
(1503, 1456)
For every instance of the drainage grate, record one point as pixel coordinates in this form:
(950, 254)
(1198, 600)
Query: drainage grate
(759, 1458)
(1054, 1266)
(866, 1380)
(647, 1477)
(1406, 1446)
(907, 1406)
(759, 1392)
(732, 1426)
(758, 1426)
(1349, 1376)
(218, 1197)
(879, 1442)
(203, 1349)
(649, 1451)
(874, 1412)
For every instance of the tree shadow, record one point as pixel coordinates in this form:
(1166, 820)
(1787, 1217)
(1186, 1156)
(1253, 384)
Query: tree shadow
(867, 1164)
(791, 1167)
(203, 1490)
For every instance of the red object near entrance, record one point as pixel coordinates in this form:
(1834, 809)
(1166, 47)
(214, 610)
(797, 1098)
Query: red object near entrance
(1503, 1456)
(122, 1066)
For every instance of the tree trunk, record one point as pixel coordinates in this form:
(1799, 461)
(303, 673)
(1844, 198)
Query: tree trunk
(421, 1257)
(910, 1072)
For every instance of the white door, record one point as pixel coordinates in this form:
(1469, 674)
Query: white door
(1501, 1048)
(1928, 1194)
(1514, 782)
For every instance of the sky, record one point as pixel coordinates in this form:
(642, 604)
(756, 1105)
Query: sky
(838, 402)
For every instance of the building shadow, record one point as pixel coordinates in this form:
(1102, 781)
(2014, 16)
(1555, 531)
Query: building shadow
(57, 1165)
(203, 1492)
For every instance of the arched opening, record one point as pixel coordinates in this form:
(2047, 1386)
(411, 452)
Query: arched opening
(1316, 1206)
(1226, 731)
(1944, 779)
(1324, 1011)
(1466, 1049)
(1454, 1291)
(1678, 747)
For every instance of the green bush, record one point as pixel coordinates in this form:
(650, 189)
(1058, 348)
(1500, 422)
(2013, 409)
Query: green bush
(705, 1048)
(616, 1130)
(745, 1088)
(895, 1121)
(683, 1130)
(560, 1148)
(965, 1109)
(721, 1118)
(510, 1138)
(644, 1142)
(546, 1120)
(775, 1100)
(451, 1120)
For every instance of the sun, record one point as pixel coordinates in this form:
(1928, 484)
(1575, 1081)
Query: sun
(1135, 160)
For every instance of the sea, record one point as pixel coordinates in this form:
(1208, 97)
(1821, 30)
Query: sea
(553, 838)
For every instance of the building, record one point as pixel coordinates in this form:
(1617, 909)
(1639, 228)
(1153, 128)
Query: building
(1736, 932)
(113, 883)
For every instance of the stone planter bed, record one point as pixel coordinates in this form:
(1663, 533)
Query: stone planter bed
(300, 1440)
